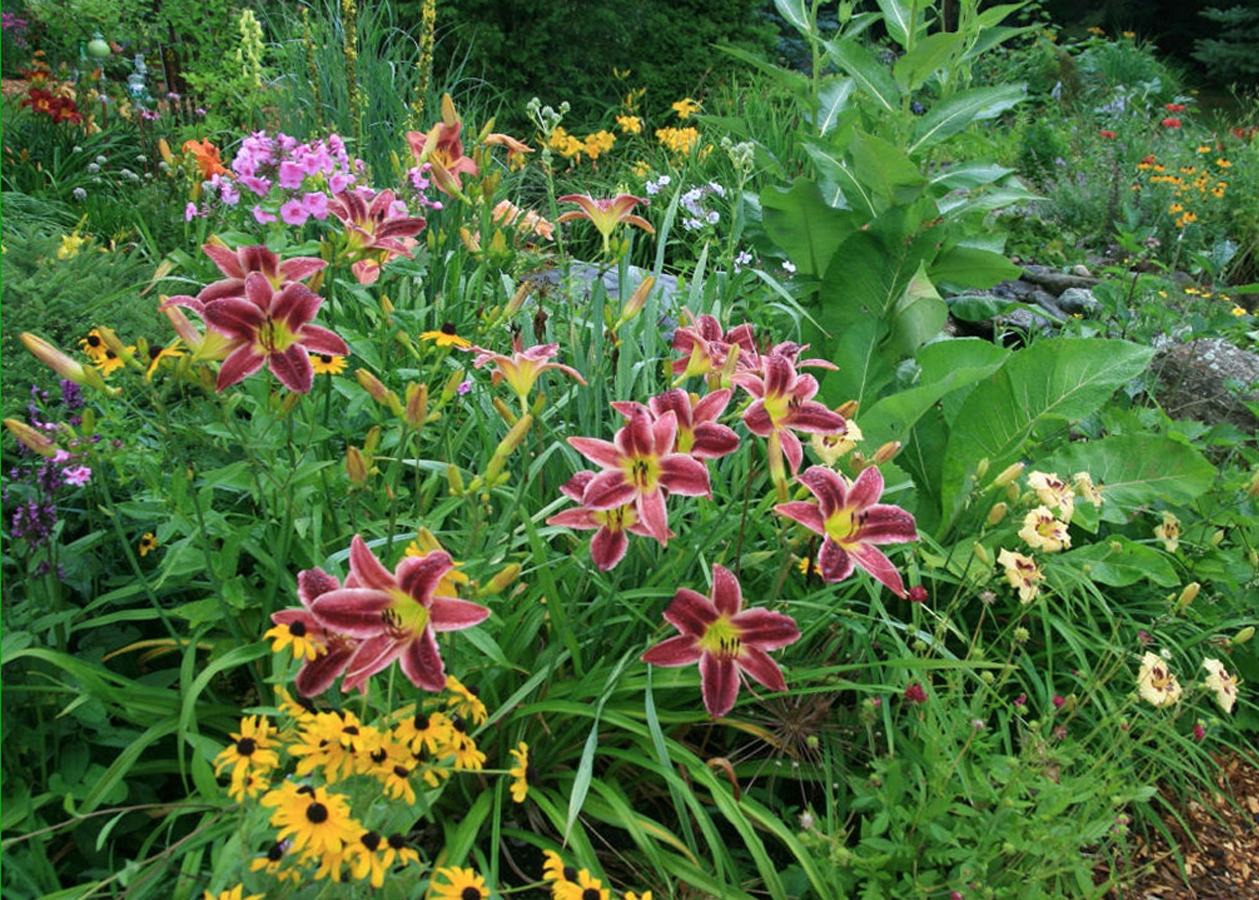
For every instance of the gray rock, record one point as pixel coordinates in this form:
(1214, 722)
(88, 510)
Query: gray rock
(1209, 380)
(582, 276)
(1077, 301)
(1082, 271)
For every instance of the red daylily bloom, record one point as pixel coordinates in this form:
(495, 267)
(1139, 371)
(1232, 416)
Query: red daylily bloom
(522, 368)
(606, 214)
(271, 327)
(699, 432)
(442, 149)
(725, 640)
(707, 348)
(639, 465)
(609, 545)
(851, 520)
(236, 266)
(784, 405)
(377, 229)
(395, 615)
(333, 649)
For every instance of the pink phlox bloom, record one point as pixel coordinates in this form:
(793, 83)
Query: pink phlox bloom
(271, 327)
(610, 543)
(293, 213)
(725, 639)
(606, 213)
(699, 432)
(262, 217)
(292, 174)
(784, 405)
(316, 204)
(851, 521)
(375, 225)
(77, 476)
(522, 368)
(638, 466)
(395, 616)
(333, 648)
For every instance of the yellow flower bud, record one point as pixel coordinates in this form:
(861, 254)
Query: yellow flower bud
(53, 358)
(1243, 636)
(982, 469)
(1012, 492)
(997, 513)
(455, 479)
(848, 408)
(501, 580)
(886, 452)
(1009, 474)
(416, 412)
(34, 440)
(981, 554)
(355, 466)
(636, 302)
(1187, 595)
(504, 412)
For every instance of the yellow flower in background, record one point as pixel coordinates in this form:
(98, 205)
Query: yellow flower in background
(1169, 532)
(598, 143)
(686, 107)
(630, 124)
(520, 773)
(1240, 311)
(1223, 163)
(233, 894)
(446, 337)
(327, 363)
(70, 244)
(678, 140)
(565, 144)
(148, 543)
(1155, 682)
(455, 883)
(1085, 488)
(465, 702)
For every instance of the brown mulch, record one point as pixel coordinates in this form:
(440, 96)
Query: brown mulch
(1220, 847)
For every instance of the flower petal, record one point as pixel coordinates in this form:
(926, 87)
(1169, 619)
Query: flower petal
(600, 452)
(830, 488)
(806, 513)
(313, 583)
(834, 562)
(356, 612)
(684, 475)
(293, 369)
(367, 569)
(240, 364)
(608, 548)
(727, 596)
(679, 650)
(608, 490)
(873, 561)
(719, 681)
(691, 612)
(451, 614)
(421, 662)
(884, 524)
(419, 576)
(756, 662)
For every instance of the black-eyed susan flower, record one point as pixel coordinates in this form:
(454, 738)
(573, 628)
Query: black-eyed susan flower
(463, 701)
(555, 871)
(327, 363)
(318, 822)
(157, 353)
(111, 362)
(327, 743)
(584, 887)
(233, 894)
(426, 731)
(251, 749)
(455, 883)
(94, 345)
(273, 863)
(467, 756)
(302, 635)
(148, 543)
(366, 858)
(520, 772)
(397, 779)
(446, 336)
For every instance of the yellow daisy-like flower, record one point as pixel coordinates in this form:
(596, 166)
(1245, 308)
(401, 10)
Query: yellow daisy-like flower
(1175, 208)
(111, 362)
(1221, 682)
(598, 143)
(1022, 573)
(808, 566)
(1155, 682)
(251, 749)
(555, 871)
(457, 884)
(234, 894)
(1223, 163)
(297, 636)
(645, 895)
(318, 822)
(94, 346)
(686, 107)
(1240, 311)
(157, 353)
(1189, 217)
(1042, 531)
(678, 140)
(520, 773)
(273, 863)
(465, 702)
(148, 543)
(446, 337)
(366, 858)
(425, 731)
(467, 756)
(327, 363)
(246, 783)
(1169, 532)
(585, 887)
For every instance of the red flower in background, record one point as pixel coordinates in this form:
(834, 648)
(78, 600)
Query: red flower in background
(1170, 122)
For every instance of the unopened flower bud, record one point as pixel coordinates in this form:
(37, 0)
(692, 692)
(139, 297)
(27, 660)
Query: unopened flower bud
(848, 408)
(634, 305)
(886, 452)
(505, 448)
(416, 410)
(500, 581)
(1022, 635)
(1252, 490)
(981, 552)
(455, 479)
(355, 466)
(504, 412)
(53, 358)
(386, 305)
(997, 513)
(1009, 474)
(34, 440)
(1012, 492)
(981, 469)
(1187, 595)
(1243, 636)
(373, 386)
(1217, 537)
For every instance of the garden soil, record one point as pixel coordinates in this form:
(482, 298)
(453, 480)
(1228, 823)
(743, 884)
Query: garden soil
(1217, 836)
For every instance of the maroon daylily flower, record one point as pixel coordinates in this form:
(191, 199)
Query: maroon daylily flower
(395, 615)
(237, 264)
(271, 327)
(699, 433)
(850, 518)
(606, 214)
(783, 405)
(377, 229)
(725, 639)
(442, 149)
(707, 349)
(639, 465)
(610, 543)
(334, 649)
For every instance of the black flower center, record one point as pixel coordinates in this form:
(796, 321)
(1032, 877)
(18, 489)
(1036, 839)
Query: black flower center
(449, 328)
(246, 746)
(421, 722)
(470, 893)
(370, 840)
(531, 774)
(396, 841)
(93, 340)
(317, 813)
(401, 771)
(325, 358)
(298, 629)
(275, 852)
(590, 894)
(570, 874)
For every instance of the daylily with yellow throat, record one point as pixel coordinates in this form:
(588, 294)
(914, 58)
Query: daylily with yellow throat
(606, 214)
(442, 149)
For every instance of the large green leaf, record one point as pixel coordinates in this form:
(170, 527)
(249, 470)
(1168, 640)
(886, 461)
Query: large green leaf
(960, 111)
(971, 267)
(1135, 470)
(833, 100)
(801, 223)
(885, 169)
(918, 315)
(1119, 562)
(899, 19)
(798, 13)
(1061, 378)
(871, 76)
(931, 53)
(840, 187)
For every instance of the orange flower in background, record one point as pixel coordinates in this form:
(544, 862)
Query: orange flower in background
(207, 157)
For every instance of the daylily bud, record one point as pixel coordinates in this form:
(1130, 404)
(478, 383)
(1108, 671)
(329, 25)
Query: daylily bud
(386, 305)
(637, 300)
(416, 412)
(500, 581)
(1243, 636)
(164, 149)
(507, 415)
(505, 448)
(1008, 474)
(997, 513)
(848, 408)
(31, 437)
(1252, 490)
(355, 466)
(981, 552)
(373, 440)
(372, 385)
(886, 452)
(55, 359)
(286, 405)
(455, 479)
(451, 387)
(1012, 492)
(1187, 595)
(518, 299)
(982, 469)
